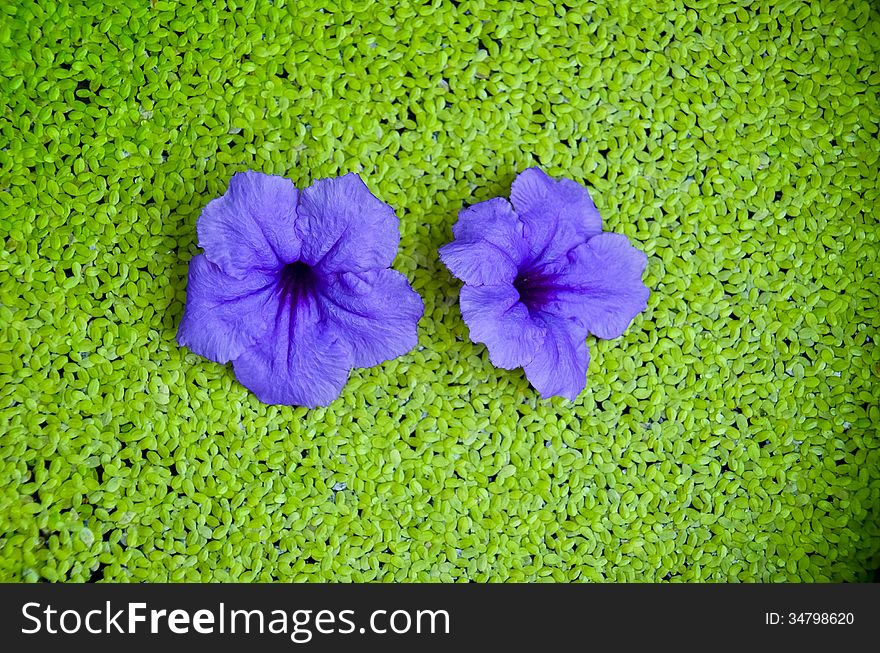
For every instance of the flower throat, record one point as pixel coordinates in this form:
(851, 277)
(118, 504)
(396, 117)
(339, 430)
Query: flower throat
(297, 281)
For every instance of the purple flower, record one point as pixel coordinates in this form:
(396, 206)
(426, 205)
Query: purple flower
(540, 275)
(294, 287)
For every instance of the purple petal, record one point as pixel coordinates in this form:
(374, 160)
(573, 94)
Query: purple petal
(557, 215)
(298, 362)
(344, 228)
(252, 225)
(488, 245)
(479, 263)
(374, 313)
(607, 273)
(497, 318)
(224, 315)
(492, 221)
(559, 367)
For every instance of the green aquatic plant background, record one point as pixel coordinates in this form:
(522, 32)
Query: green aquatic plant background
(730, 434)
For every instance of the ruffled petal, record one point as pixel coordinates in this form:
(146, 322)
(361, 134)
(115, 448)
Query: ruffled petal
(559, 366)
(224, 315)
(602, 287)
(495, 222)
(299, 362)
(344, 228)
(478, 262)
(497, 318)
(375, 314)
(251, 227)
(488, 245)
(558, 214)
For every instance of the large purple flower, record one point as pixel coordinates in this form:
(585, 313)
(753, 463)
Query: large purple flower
(295, 287)
(540, 275)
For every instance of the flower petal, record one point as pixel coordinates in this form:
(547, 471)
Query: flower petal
(557, 214)
(493, 221)
(497, 318)
(374, 313)
(344, 228)
(299, 362)
(478, 262)
(488, 245)
(559, 367)
(224, 315)
(606, 275)
(252, 225)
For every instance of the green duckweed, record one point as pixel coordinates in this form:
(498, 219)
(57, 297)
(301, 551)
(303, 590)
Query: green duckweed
(729, 435)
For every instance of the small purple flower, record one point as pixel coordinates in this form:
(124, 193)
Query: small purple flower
(295, 287)
(540, 275)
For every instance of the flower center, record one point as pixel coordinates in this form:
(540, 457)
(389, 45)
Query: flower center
(297, 282)
(535, 288)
